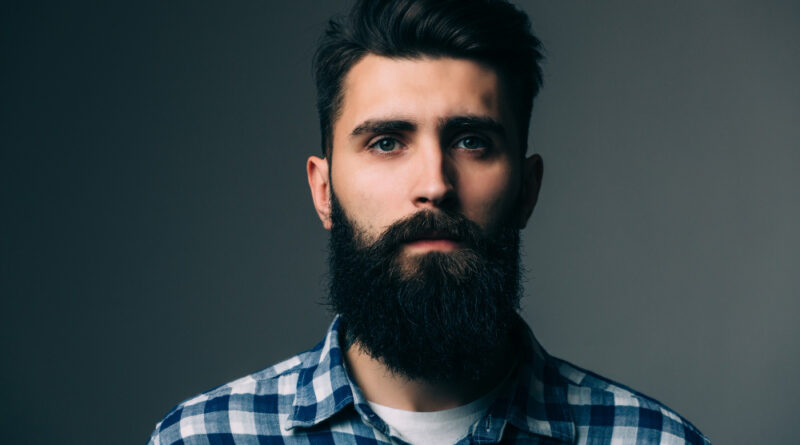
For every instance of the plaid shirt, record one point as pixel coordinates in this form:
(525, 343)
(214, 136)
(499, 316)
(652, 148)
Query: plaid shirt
(309, 399)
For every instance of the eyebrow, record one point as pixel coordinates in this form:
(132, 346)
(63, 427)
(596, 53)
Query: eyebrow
(446, 125)
(373, 126)
(476, 123)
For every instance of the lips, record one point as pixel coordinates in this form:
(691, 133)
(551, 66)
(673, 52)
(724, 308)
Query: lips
(433, 241)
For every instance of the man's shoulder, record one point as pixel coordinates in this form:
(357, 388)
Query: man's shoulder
(252, 405)
(603, 408)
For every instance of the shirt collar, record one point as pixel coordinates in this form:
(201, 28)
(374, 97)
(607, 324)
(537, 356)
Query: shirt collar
(534, 400)
(323, 387)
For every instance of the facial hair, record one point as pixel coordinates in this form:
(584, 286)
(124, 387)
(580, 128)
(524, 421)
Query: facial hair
(436, 316)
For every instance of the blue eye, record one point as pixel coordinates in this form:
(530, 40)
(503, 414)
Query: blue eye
(385, 144)
(472, 143)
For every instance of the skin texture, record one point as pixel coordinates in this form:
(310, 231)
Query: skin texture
(423, 134)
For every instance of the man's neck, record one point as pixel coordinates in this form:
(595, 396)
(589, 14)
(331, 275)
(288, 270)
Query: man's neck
(381, 386)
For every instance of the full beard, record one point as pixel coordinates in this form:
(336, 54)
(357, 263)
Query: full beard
(437, 316)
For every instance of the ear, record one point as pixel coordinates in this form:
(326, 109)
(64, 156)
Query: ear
(317, 170)
(532, 170)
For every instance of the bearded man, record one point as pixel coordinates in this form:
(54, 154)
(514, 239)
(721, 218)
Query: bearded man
(425, 184)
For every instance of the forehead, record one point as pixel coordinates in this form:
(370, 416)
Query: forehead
(423, 89)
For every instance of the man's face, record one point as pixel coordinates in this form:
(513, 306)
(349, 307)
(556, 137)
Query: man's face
(430, 193)
(417, 134)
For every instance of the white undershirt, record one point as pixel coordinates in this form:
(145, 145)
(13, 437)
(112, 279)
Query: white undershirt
(435, 427)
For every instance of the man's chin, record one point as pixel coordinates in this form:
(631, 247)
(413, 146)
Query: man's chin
(450, 266)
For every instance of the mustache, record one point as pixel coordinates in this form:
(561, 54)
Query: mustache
(430, 224)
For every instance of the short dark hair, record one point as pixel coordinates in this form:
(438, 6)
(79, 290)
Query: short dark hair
(493, 32)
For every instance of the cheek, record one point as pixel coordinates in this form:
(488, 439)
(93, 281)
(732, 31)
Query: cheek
(368, 197)
(489, 196)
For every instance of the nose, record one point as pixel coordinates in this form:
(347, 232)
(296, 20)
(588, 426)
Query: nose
(434, 185)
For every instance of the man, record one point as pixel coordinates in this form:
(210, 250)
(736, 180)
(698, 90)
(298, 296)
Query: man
(425, 184)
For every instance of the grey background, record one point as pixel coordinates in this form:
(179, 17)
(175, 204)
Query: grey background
(158, 238)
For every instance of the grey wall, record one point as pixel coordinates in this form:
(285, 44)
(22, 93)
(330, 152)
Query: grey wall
(158, 238)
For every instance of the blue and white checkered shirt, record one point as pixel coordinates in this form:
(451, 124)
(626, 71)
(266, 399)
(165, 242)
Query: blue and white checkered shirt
(309, 399)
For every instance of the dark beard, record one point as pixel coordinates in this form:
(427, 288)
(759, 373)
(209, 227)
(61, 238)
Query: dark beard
(438, 316)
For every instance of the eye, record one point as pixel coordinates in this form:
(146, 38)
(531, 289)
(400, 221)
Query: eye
(385, 144)
(472, 143)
